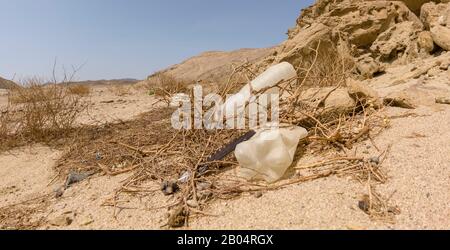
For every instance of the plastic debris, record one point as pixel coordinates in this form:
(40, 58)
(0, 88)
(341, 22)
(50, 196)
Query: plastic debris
(269, 153)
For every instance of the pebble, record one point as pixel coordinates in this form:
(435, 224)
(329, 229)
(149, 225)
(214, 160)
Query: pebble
(375, 160)
(169, 187)
(61, 221)
(192, 203)
(203, 186)
(258, 194)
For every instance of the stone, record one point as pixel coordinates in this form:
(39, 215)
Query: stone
(61, 221)
(434, 71)
(169, 187)
(192, 203)
(433, 14)
(399, 99)
(443, 100)
(368, 66)
(336, 101)
(425, 41)
(258, 194)
(362, 93)
(396, 42)
(441, 36)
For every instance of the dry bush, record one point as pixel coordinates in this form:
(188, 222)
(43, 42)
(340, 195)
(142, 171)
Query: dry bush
(165, 86)
(39, 113)
(5, 121)
(80, 90)
(153, 151)
(331, 65)
(120, 90)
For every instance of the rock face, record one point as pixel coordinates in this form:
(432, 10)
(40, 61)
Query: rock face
(6, 84)
(375, 33)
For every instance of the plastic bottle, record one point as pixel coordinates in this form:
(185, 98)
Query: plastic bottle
(271, 77)
(269, 153)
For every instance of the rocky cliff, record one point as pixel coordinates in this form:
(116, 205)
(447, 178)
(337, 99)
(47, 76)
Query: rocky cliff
(377, 34)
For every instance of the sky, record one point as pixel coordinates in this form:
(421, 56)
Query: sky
(114, 39)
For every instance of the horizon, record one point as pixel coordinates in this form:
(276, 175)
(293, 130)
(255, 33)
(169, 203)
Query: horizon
(119, 39)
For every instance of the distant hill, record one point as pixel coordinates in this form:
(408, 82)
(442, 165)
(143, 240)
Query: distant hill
(125, 81)
(214, 66)
(6, 84)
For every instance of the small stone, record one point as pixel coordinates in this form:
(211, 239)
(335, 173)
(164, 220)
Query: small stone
(169, 187)
(203, 186)
(258, 194)
(61, 221)
(89, 220)
(375, 160)
(443, 100)
(59, 192)
(192, 203)
(205, 195)
(364, 204)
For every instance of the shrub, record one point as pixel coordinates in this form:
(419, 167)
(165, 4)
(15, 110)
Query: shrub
(39, 113)
(79, 89)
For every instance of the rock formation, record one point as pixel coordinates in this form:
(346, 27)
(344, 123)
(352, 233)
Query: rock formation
(376, 33)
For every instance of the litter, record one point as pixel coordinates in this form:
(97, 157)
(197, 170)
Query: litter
(269, 153)
(223, 152)
(268, 79)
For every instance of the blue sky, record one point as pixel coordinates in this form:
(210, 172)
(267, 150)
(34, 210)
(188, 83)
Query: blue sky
(132, 38)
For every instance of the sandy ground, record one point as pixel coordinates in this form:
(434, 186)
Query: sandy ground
(418, 167)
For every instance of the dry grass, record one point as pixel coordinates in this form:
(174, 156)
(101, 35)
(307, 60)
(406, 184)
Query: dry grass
(39, 113)
(121, 90)
(153, 151)
(80, 90)
(165, 86)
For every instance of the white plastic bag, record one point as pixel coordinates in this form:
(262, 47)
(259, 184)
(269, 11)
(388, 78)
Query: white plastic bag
(269, 153)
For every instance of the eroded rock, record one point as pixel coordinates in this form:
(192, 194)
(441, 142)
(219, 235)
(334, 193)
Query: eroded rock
(425, 42)
(441, 36)
(362, 93)
(399, 99)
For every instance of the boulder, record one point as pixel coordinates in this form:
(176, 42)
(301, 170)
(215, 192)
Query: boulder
(399, 41)
(441, 36)
(435, 14)
(337, 101)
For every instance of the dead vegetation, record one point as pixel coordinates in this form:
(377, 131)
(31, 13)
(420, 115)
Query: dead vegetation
(80, 90)
(39, 113)
(165, 86)
(153, 151)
